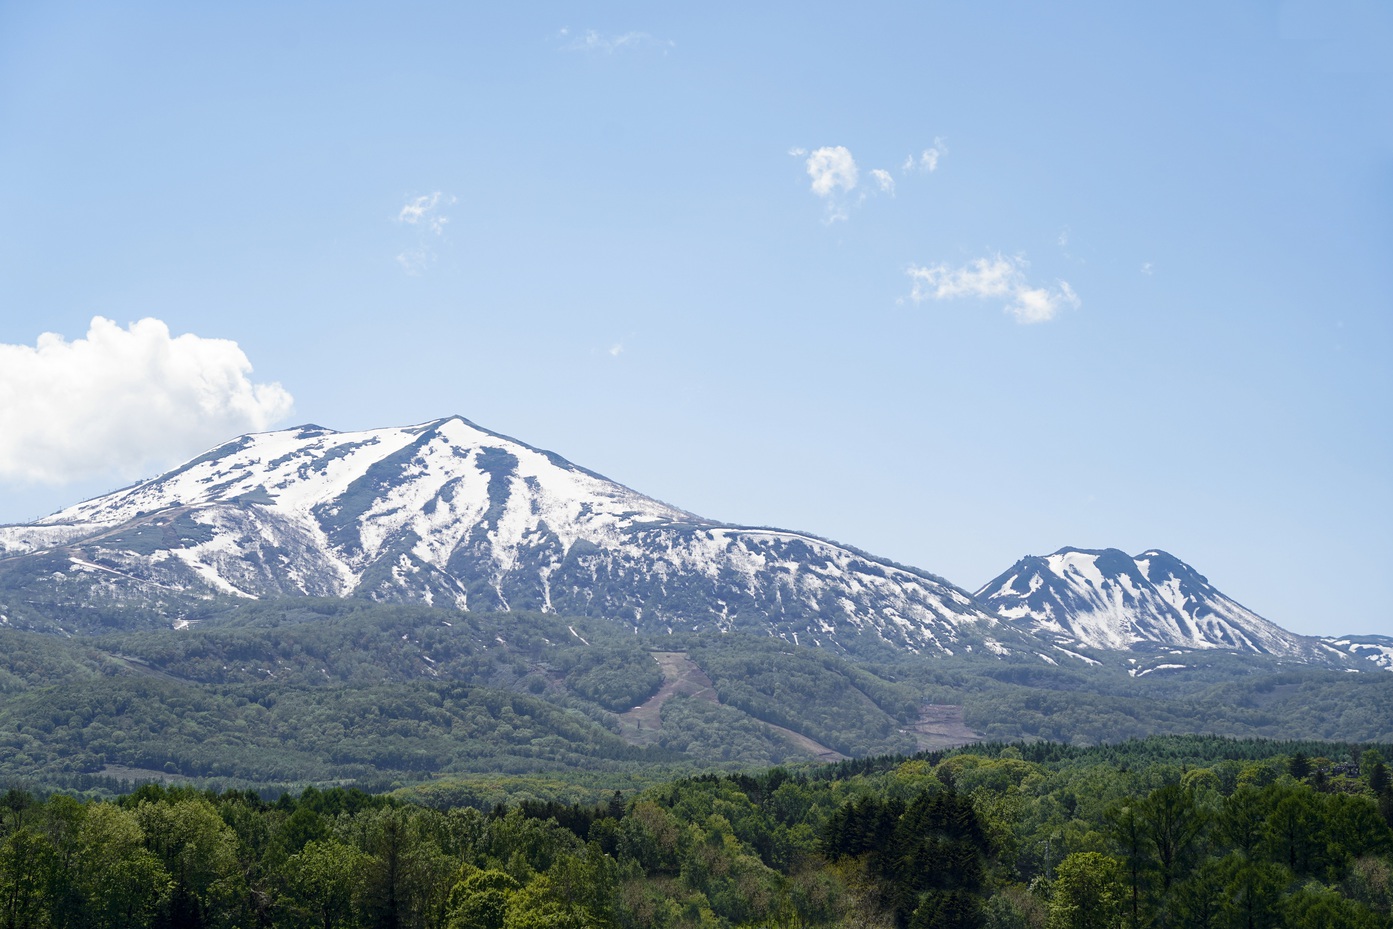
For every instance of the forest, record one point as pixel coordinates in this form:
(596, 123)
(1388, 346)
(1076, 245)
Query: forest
(1168, 831)
(284, 694)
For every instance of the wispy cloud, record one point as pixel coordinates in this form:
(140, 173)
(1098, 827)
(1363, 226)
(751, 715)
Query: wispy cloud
(1148, 268)
(592, 41)
(426, 214)
(927, 160)
(423, 211)
(616, 349)
(884, 180)
(996, 277)
(121, 401)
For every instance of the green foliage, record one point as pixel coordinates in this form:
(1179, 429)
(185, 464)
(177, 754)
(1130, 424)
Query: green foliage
(1088, 893)
(1006, 837)
(812, 692)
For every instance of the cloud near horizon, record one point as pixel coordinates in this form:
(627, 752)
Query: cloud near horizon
(120, 402)
(996, 277)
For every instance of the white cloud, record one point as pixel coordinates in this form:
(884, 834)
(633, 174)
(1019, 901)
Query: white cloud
(832, 168)
(616, 349)
(120, 402)
(927, 160)
(592, 41)
(997, 277)
(834, 175)
(423, 211)
(1148, 268)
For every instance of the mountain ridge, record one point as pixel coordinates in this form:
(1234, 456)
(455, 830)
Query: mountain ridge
(446, 511)
(449, 512)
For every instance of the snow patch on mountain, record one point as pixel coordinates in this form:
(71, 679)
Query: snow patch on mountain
(1377, 649)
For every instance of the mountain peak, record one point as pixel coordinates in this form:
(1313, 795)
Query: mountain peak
(448, 512)
(1106, 598)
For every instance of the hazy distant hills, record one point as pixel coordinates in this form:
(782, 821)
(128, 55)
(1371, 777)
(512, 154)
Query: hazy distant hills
(446, 513)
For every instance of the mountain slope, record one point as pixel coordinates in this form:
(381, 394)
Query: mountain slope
(1375, 648)
(1111, 600)
(449, 513)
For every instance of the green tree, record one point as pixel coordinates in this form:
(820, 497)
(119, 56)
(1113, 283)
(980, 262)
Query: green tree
(1127, 829)
(122, 883)
(537, 906)
(1293, 830)
(1197, 902)
(480, 900)
(198, 850)
(1240, 822)
(1253, 890)
(27, 864)
(1318, 907)
(407, 877)
(323, 877)
(1089, 893)
(1173, 826)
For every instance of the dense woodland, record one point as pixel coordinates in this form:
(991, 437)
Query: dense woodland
(1163, 832)
(324, 763)
(290, 693)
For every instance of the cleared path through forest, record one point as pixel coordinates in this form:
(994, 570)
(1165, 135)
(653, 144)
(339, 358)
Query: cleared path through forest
(682, 677)
(941, 726)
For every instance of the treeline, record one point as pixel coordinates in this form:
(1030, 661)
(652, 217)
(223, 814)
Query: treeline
(1015, 838)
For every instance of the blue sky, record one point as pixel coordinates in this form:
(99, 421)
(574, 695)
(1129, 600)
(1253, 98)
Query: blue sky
(1123, 278)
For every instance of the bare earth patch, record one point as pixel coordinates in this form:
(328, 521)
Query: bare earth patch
(942, 726)
(681, 677)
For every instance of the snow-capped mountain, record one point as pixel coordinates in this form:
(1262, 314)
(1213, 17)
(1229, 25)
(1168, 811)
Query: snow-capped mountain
(1111, 600)
(447, 512)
